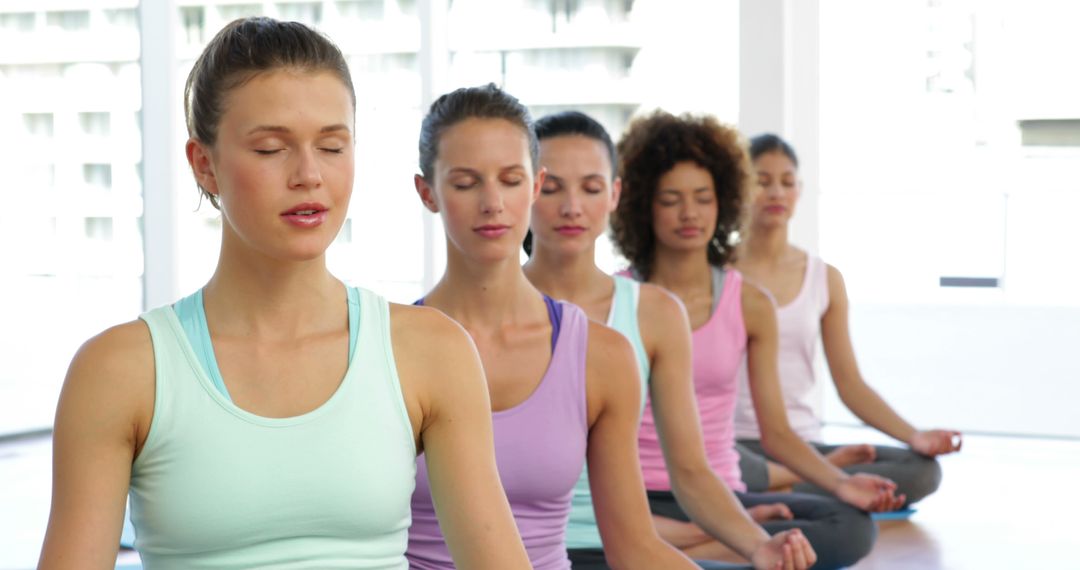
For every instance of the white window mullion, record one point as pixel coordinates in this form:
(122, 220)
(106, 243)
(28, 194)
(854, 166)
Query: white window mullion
(160, 95)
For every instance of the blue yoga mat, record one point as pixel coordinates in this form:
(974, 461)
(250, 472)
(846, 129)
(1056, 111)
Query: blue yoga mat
(899, 515)
(127, 536)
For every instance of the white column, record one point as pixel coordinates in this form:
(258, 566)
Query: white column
(434, 68)
(779, 90)
(160, 94)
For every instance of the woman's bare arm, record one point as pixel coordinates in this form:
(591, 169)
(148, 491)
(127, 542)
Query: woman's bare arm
(853, 390)
(101, 420)
(618, 491)
(448, 400)
(705, 498)
(867, 492)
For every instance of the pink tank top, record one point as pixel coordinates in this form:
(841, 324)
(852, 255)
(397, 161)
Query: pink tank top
(539, 450)
(718, 348)
(799, 323)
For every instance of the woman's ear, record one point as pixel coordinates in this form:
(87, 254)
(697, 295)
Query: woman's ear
(541, 176)
(202, 165)
(616, 193)
(426, 193)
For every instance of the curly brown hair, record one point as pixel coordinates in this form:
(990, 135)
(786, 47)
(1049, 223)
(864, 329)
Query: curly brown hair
(652, 146)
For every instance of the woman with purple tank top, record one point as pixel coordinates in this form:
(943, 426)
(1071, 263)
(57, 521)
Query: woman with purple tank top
(811, 303)
(684, 184)
(563, 390)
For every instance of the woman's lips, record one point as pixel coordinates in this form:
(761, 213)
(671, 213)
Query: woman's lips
(306, 215)
(492, 231)
(570, 231)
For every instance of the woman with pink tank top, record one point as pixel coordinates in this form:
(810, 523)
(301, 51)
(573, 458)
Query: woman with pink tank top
(685, 180)
(563, 390)
(811, 303)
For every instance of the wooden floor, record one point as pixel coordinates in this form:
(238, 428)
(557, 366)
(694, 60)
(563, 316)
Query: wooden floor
(1007, 503)
(1003, 503)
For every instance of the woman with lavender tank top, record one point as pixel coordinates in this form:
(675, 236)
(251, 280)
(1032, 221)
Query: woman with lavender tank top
(811, 303)
(578, 194)
(563, 390)
(684, 183)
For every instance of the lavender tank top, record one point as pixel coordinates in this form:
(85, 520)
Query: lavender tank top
(540, 449)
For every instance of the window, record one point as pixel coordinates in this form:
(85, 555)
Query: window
(68, 21)
(308, 13)
(38, 124)
(17, 22)
(98, 176)
(947, 199)
(86, 152)
(74, 260)
(193, 25)
(94, 124)
(99, 229)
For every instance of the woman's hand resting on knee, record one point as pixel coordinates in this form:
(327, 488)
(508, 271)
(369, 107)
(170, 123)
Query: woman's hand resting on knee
(936, 442)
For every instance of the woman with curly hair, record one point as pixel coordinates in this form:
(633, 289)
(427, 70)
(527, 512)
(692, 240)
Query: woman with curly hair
(812, 302)
(685, 181)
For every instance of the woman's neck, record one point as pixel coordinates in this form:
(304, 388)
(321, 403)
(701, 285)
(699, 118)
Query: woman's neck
(484, 294)
(251, 294)
(574, 277)
(766, 244)
(681, 270)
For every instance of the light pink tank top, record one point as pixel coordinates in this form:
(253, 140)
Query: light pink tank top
(799, 323)
(718, 348)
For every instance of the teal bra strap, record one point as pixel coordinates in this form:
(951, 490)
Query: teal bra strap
(192, 315)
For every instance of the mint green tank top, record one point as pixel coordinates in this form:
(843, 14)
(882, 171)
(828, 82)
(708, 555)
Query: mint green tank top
(216, 486)
(581, 531)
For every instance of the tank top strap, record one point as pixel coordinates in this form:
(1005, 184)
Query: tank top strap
(719, 275)
(817, 280)
(554, 310)
(728, 307)
(374, 345)
(623, 317)
(567, 365)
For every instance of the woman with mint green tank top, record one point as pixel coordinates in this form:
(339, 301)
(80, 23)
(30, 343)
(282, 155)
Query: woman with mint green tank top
(572, 212)
(582, 532)
(285, 489)
(273, 418)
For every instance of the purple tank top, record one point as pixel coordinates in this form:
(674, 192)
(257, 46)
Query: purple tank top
(539, 450)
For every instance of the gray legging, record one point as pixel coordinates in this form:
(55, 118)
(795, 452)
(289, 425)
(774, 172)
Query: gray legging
(915, 475)
(593, 559)
(839, 533)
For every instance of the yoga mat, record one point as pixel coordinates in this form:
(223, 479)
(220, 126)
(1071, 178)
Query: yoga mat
(898, 515)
